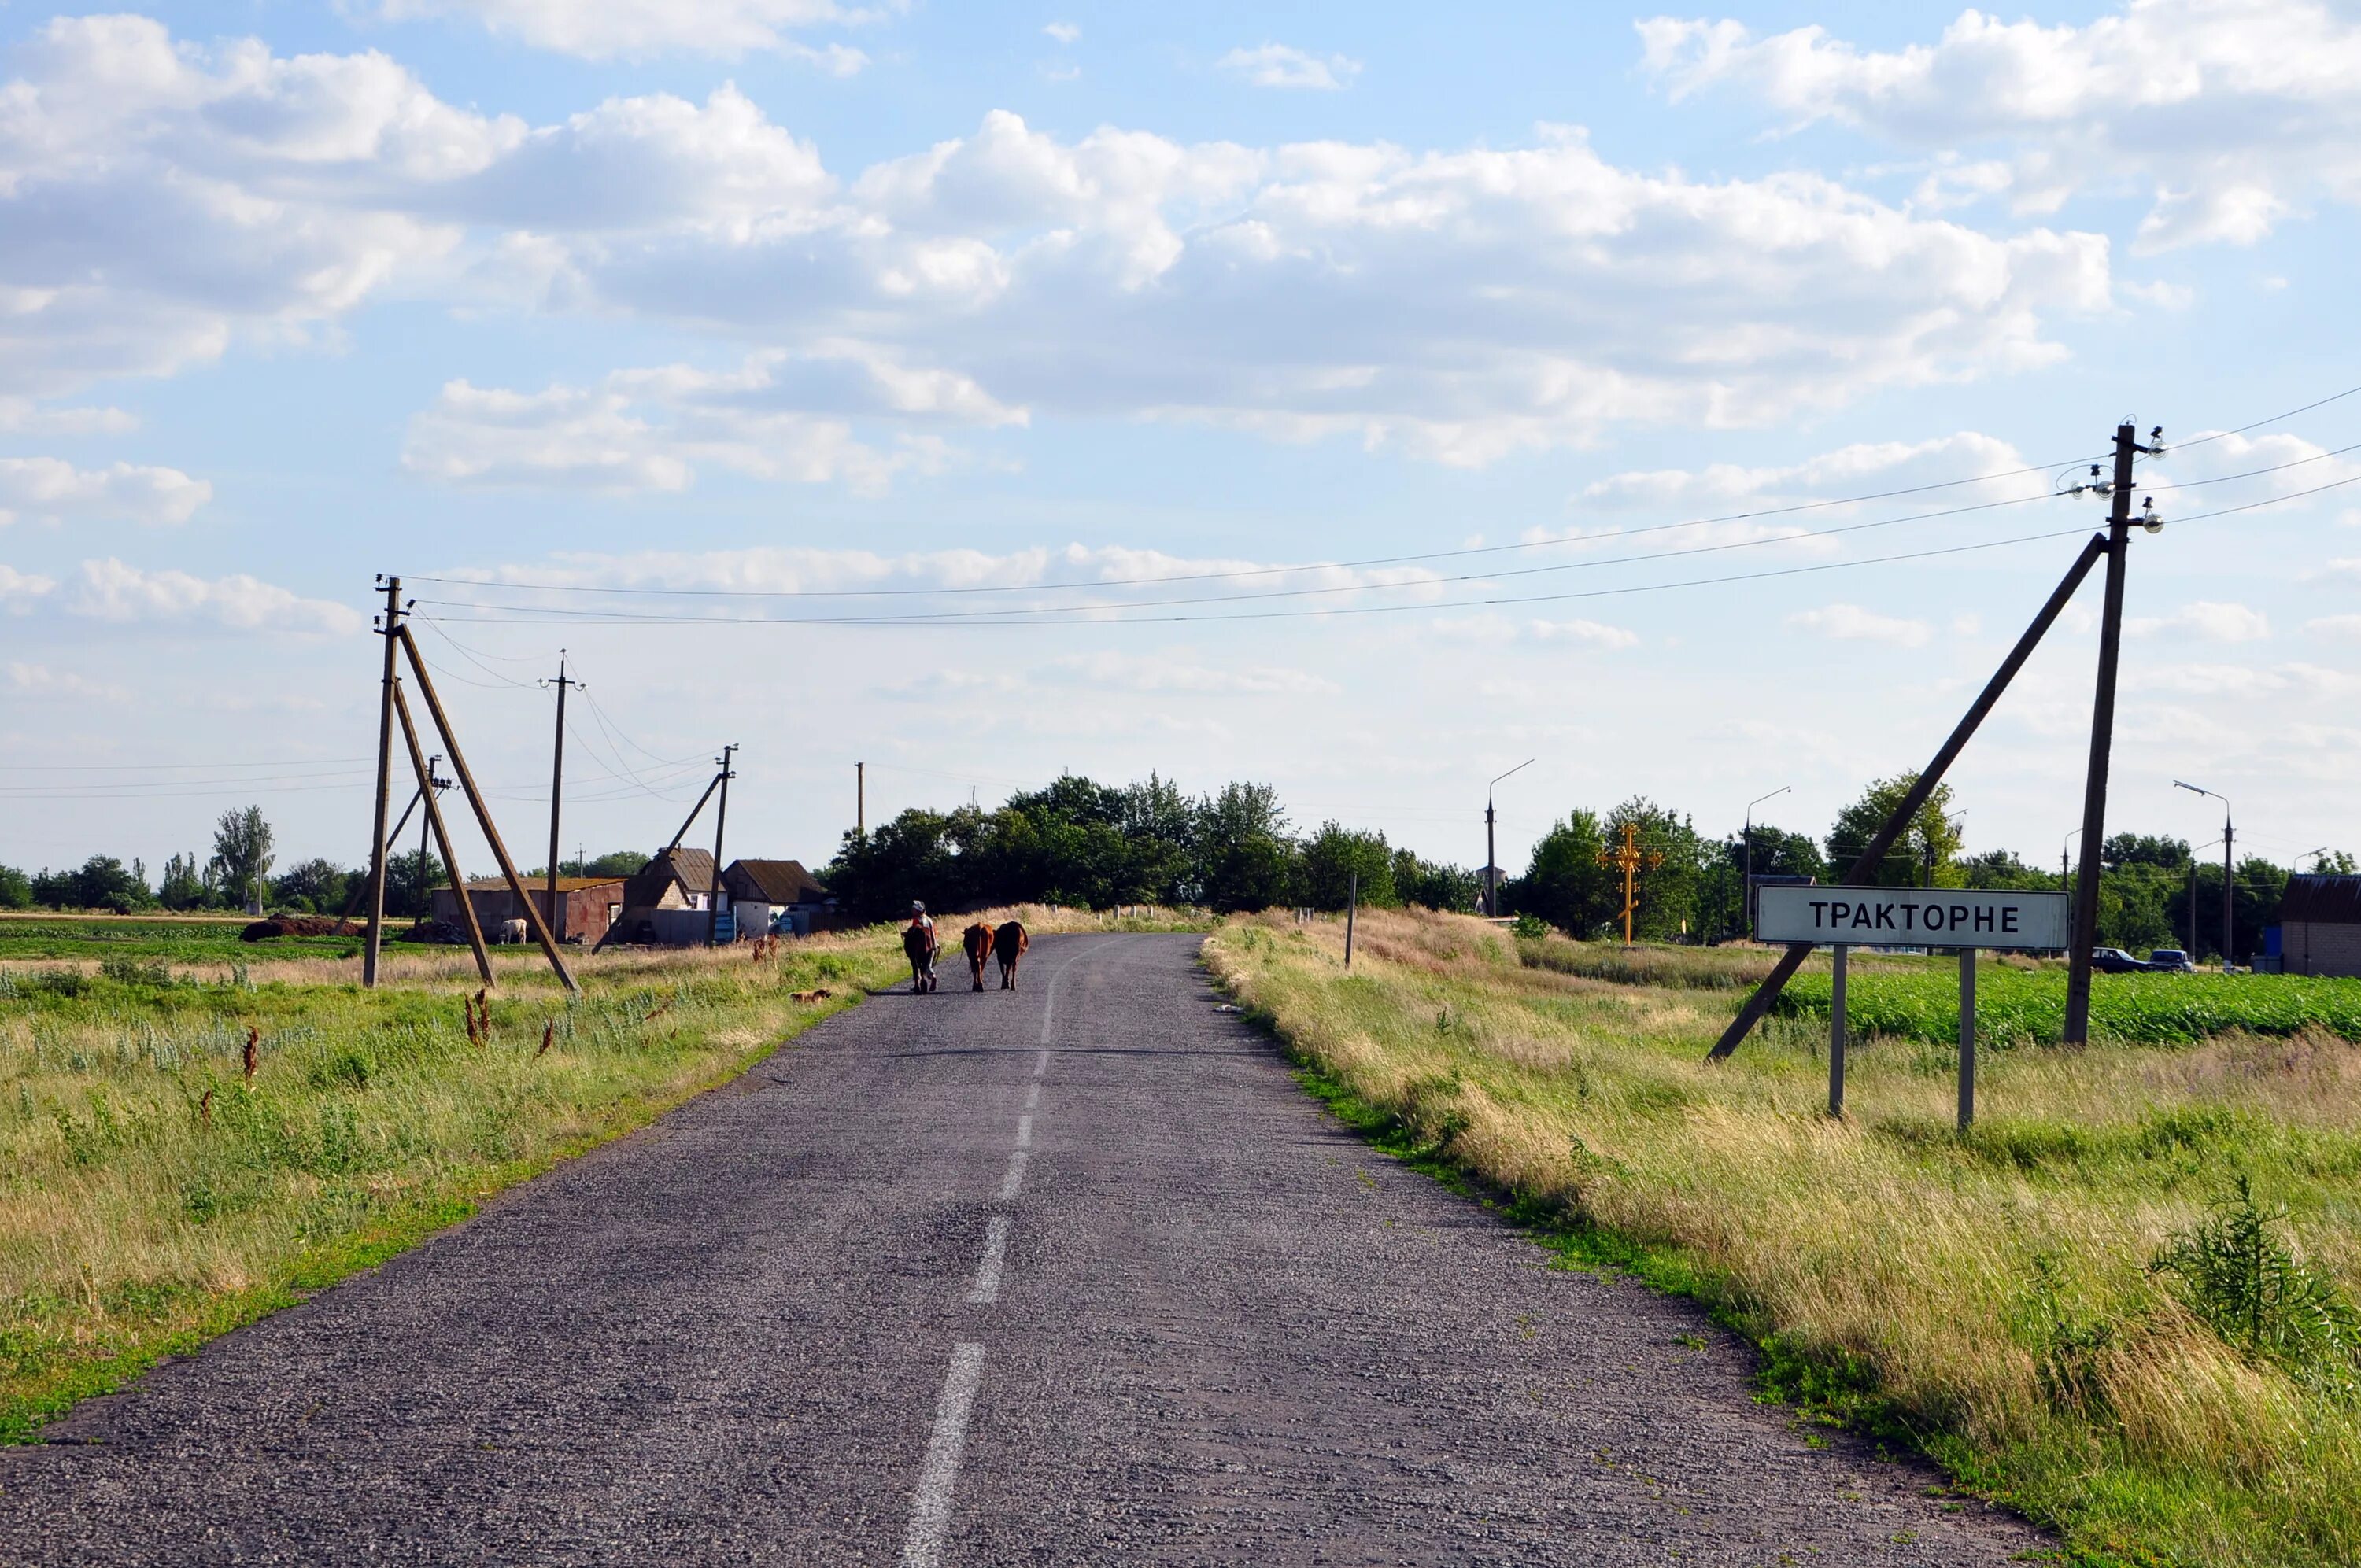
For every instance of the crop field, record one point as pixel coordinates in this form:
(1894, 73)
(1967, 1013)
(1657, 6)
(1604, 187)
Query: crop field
(182, 940)
(2128, 1303)
(2028, 1006)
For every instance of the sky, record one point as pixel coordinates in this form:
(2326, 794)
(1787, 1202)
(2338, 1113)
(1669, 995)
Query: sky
(1328, 396)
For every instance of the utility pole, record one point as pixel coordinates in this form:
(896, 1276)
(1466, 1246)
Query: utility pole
(389, 628)
(2229, 837)
(2085, 929)
(1746, 888)
(556, 787)
(720, 823)
(860, 799)
(425, 899)
(1492, 855)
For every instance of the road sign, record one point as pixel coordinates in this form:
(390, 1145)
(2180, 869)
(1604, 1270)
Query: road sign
(1911, 917)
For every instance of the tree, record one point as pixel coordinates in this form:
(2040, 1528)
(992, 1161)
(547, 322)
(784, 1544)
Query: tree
(1564, 885)
(411, 879)
(1667, 891)
(1431, 884)
(1928, 845)
(2145, 850)
(2000, 870)
(1245, 859)
(312, 886)
(15, 889)
(242, 843)
(617, 863)
(184, 887)
(1331, 859)
(105, 882)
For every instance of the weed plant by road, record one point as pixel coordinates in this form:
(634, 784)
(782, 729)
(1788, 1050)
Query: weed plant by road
(2123, 1303)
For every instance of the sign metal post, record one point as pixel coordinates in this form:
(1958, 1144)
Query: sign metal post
(1967, 1038)
(1836, 1034)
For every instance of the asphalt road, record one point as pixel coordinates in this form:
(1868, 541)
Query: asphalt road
(1073, 1274)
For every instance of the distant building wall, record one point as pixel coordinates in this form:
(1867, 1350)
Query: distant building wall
(2319, 947)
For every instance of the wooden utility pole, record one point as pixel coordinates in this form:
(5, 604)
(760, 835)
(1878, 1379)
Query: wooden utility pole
(459, 894)
(389, 628)
(556, 787)
(482, 808)
(721, 825)
(425, 902)
(1874, 854)
(2085, 928)
(1631, 859)
(861, 798)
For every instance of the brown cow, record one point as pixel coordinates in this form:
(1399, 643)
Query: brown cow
(1008, 945)
(918, 947)
(977, 941)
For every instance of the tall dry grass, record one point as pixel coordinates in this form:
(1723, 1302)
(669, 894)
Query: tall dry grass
(1993, 1291)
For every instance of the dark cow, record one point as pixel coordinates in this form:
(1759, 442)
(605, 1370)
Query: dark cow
(977, 941)
(1008, 945)
(918, 947)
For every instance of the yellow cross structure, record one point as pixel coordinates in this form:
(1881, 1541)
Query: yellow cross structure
(1631, 859)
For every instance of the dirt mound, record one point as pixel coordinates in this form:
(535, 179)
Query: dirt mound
(442, 931)
(297, 925)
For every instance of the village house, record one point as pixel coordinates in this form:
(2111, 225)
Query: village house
(586, 905)
(2320, 926)
(774, 895)
(665, 902)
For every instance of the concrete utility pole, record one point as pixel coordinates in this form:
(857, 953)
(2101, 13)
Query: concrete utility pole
(1746, 888)
(720, 824)
(556, 787)
(861, 798)
(1492, 855)
(2229, 840)
(425, 899)
(389, 627)
(2085, 929)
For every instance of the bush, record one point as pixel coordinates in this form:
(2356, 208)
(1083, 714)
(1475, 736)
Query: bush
(2241, 1278)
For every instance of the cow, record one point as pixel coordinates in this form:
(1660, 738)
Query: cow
(918, 947)
(977, 941)
(1008, 945)
(509, 931)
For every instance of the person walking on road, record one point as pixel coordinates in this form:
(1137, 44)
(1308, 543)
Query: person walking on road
(918, 944)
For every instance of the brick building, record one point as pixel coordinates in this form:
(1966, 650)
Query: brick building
(2320, 926)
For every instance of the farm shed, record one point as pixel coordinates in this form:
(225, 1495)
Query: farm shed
(585, 904)
(2320, 926)
(760, 892)
(665, 901)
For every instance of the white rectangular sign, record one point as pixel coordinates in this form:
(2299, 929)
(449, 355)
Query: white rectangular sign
(1910, 917)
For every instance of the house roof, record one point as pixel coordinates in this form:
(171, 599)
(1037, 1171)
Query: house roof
(692, 869)
(2328, 900)
(536, 883)
(778, 882)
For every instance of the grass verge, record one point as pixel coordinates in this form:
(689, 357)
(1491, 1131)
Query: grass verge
(1992, 1300)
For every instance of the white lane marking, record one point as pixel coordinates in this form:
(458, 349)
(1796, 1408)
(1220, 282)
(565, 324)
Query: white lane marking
(1033, 1098)
(1041, 1064)
(1025, 1131)
(930, 1509)
(1016, 1174)
(986, 1289)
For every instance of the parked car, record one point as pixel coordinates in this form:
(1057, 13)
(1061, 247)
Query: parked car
(2170, 960)
(2115, 960)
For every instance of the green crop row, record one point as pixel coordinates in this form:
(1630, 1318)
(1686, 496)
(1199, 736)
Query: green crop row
(2015, 1005)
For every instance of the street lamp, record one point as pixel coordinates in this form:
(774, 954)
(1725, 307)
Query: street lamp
(2228, 841)
(1491, 855)
(1746, 898)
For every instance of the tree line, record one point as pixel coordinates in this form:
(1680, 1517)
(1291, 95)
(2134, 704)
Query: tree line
(1086, 844)
(239, 875)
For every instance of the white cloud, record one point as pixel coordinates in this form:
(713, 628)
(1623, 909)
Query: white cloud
(1491, 626)
(2340, 566)
(22, 416)
(1861, 468)
(650, 430)
(47, 489)
(2233, 114)
(1851, 623)
(606, 29)
(110, 590)
(1064, 32)
(19, 590)
(2205, 621)
(1277, 65)
(1179, 671)
(2323, 626)
(1586, 631)
(1457, 306)
(39, 681)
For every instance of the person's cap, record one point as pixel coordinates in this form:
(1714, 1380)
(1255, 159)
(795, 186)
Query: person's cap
(917, 908)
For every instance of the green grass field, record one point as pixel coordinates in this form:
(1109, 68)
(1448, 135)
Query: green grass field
(188, 940)
(2072, 1308)
(2017, 1006)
